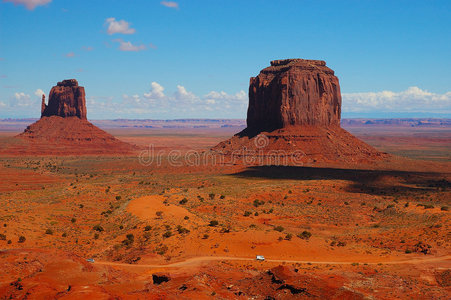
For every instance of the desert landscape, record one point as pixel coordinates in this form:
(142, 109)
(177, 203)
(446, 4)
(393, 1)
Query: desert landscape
(291, 189)
(152, 213)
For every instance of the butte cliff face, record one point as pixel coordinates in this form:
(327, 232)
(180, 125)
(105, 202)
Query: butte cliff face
(293, 92)
(66, 99)
(294, 111)
(63, 128)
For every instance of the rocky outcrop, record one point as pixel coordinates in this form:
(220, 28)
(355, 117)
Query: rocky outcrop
(66, 99)
(293, 92)
(294, 118)
(64, 130)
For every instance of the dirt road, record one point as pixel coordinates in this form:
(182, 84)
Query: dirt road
(205, 259)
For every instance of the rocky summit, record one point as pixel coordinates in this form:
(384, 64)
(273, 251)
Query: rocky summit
(66, 99)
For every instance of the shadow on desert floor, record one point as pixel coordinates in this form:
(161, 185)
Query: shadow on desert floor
(375, 182)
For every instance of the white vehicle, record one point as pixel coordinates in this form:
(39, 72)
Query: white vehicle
(260, 258)
(91, 260)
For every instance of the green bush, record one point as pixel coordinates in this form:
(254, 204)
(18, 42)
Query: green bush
(213, 223)
(279, 228)
(22, 239)
(98, 228)
(49, 231)
(183, 201)
(305, 235)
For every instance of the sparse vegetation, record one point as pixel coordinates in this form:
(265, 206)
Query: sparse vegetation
(305, 235)
(279, 228)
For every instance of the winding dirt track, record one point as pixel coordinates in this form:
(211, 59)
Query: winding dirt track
(205, 259)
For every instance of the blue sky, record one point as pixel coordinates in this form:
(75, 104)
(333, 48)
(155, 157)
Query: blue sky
(193, 59)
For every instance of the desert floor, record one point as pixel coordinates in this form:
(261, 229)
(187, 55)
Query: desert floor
(164, 223)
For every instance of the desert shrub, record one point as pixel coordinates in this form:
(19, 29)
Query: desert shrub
(161, 250)
(213, 223)
(279, 228)
(9, 242)
(256, 213)
(341, 244)
(181, 229)
(211, 195)
(118, 198)
(129, 239)
(428, 206)
(346, 203)
(186, 218)
(22, 239)
(247, 213)
(270, 211)
(2, 237)
(167, 234)
(98, 228)
(444, 208)
(96, 236)
(81, 206)
(64, 234)
(408, 251)
(183, 201)
(376, 225)
(159, 213)
(147, 228)
(121, 226)
(288, 237)
(305, 235)
(407, 204)
(222, 197)
(257, 202)
(390, 206)
(73, 220)
(49, 231)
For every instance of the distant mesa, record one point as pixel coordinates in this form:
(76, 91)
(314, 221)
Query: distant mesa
(64, 129)
(296, 105)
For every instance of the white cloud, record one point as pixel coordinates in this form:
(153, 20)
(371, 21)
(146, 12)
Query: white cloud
(128, 46)
(87, 48)
(70, 54)
(413, 99)
(170, 4)
(29, 4)
(156, 92)
(39, 93)
(120, 26)
(182, 103)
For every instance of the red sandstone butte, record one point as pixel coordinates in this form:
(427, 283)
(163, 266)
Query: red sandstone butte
(63, 128)
(293, 92)
(295, 109)
(66, 99)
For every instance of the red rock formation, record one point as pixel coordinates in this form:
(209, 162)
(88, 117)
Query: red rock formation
(43, 106)
(63, 128)
(66, 99)
(293, 92)
(294, 117)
